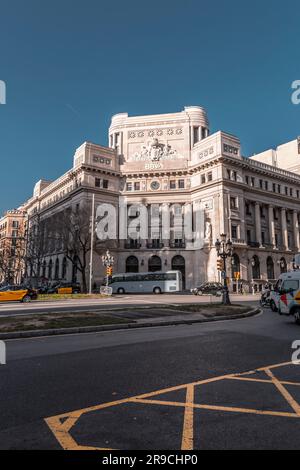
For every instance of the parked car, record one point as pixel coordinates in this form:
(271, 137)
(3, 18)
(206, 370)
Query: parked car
(65, 287)
(209, 288)
(287, 294)
(13, 293)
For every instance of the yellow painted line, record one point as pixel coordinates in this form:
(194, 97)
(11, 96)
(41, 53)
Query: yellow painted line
(219, 408)
(245, 379)
(61, 429)
(291, 401)
(188, 425)
(275, 366)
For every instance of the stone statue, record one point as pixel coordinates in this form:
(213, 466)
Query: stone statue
(208, 231)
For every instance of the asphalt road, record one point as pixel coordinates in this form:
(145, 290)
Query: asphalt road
(118, 301)
(155, 388)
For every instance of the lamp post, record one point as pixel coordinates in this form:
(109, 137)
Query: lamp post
(224, 251)
(108, 261)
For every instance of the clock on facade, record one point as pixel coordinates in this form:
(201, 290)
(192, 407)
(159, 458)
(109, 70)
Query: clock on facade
(155, 185)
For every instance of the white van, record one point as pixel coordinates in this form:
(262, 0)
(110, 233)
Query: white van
(286, 295)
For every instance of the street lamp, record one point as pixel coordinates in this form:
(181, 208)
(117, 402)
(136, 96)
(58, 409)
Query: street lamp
(108, 261)
(224, 250)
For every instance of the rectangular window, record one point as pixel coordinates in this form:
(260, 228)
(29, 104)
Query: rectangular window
(137, 186)
(15, 224)
(248, 236)
(279, 188)
(261, 184)
(97, 182)
(196, 134)
(209, 176)
(105, 184)
(181, 184)
(266, 185)
(263, 238)
(291, 192)
(128, 186)
(252, 181)
(233, 203)
(274, 187)
(234, 232)
(290, 285)
(203, 179)
(286, 190)
(247, 179)
(172, 184)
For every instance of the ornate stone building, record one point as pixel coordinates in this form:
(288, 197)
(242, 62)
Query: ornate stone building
(173, 165)
(12, 246)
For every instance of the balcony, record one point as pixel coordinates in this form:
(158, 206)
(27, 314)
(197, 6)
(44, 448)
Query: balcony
(155, 245)
(178, 244)
(132, 245)
(253, 244)
(238, 241)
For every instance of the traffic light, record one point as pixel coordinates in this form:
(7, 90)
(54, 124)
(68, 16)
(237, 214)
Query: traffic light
(220, 265)
(109, 271)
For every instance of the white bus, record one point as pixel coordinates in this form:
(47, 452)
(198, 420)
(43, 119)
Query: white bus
(154, 282)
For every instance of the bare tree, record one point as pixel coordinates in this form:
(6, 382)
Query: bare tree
(72, 231)
(12, 260)
(37, 246)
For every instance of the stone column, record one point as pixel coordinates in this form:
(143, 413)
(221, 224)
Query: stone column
(272, 226)
(296, 231)
(285, 240)
(165, 220)
(258, 223)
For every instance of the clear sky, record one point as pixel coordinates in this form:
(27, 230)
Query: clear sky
(70, 64)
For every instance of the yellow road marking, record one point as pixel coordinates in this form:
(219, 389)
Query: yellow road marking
(61, 429)
(219, 408)
(291, 401)
(266, 381)
(188, 425)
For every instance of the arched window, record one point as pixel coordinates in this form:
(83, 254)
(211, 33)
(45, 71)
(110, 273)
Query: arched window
(178, 264)
(255, 267)
(236, 265)
(132, 264)
(56, 275)
(283, 266)
(50, 267)
(154, 264)
(64, 268)
(270, 268)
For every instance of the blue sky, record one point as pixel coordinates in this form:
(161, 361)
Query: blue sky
(71, 64)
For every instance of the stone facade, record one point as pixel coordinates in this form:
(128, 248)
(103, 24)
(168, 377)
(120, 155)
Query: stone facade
(167, 159)
(12, 246)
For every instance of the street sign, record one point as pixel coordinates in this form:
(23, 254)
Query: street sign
(105, 290)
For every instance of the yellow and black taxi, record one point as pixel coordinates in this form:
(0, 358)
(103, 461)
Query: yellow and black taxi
(13, 293)
(65, 287)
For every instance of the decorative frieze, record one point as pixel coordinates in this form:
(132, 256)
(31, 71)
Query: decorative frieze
(167, 132)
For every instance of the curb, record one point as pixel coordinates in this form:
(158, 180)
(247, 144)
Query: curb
(125, 326)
